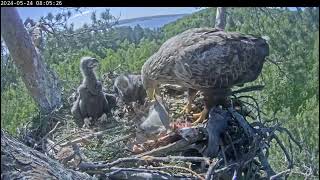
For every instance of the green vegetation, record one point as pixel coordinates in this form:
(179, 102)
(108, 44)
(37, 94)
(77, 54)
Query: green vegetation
(291, 91)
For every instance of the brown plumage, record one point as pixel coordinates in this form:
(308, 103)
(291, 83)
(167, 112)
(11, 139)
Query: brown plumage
(206, 59)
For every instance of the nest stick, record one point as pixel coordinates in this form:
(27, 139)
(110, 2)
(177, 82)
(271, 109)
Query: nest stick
(179, 168)
(141, 160)
(85, 137)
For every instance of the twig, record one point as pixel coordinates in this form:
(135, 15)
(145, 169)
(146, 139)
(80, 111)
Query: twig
(119, 139)
(86, 137)
(279, 68)
(48, 134)
(232, 145)
(176, 146)
(224, 155)
(305, 174)
(50, 143)
(291, 152)
(177, 158)
(141, 160)
(256, 108)
(90, 29)
(256, 103)
(265, 164)
(57, 117)
(242, 122)
(234, 142)
(156, 174)
(284, 151)
(180, 168)
(57, 143)
(166, 149)
(210, 170)
(225, 168)
(280, 174)
(280, 129)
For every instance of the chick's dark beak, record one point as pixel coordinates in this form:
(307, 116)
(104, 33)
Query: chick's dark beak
(94, 63)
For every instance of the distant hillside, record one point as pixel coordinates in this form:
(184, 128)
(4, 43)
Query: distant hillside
(151, 21)
(202, 18)
(125, 21)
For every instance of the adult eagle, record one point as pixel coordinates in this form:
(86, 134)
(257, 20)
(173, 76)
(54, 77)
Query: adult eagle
(206, 59)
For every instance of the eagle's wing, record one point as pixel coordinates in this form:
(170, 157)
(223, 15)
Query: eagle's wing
(205, 58)
(218, 60)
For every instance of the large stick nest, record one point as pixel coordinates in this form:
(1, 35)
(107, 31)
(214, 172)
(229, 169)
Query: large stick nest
(115, 149)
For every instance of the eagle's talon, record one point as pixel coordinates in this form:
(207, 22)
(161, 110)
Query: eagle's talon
(87, 122)
(196, 116)
(147, 158)
(200, 117)
(186, 109)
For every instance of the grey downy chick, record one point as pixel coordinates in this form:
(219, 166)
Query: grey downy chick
(129, 88)
(91, 102)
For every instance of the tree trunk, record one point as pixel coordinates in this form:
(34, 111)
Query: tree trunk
(220, 18)
(39, 80)
(19, 161)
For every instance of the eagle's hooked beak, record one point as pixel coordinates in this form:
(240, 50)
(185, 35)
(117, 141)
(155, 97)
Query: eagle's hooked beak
(151, 93)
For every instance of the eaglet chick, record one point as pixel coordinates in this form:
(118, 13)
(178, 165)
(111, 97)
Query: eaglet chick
(129, 88)
(91, 102)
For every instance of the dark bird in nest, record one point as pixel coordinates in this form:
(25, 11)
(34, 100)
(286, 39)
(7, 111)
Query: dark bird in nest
(217, 123)
(208, 60)
(112, 100)
(129, 88)
(91, 102)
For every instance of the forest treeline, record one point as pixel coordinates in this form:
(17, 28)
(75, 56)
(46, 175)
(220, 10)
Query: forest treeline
(290, 76)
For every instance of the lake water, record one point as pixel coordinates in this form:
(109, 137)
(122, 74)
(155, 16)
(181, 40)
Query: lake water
(156, 22)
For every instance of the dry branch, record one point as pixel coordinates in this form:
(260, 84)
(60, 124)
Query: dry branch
(284, 151)
(102, 166)
(178, 168)
(46, 136)
(85, 138)
(280, 174)
(139, 173)
(210, 170)
(176, 146)
(119, 139)
(243, 123)
(173, 147)
(265, 164)
(19, 161)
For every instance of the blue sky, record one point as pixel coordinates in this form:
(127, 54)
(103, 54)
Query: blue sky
(123, 12)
